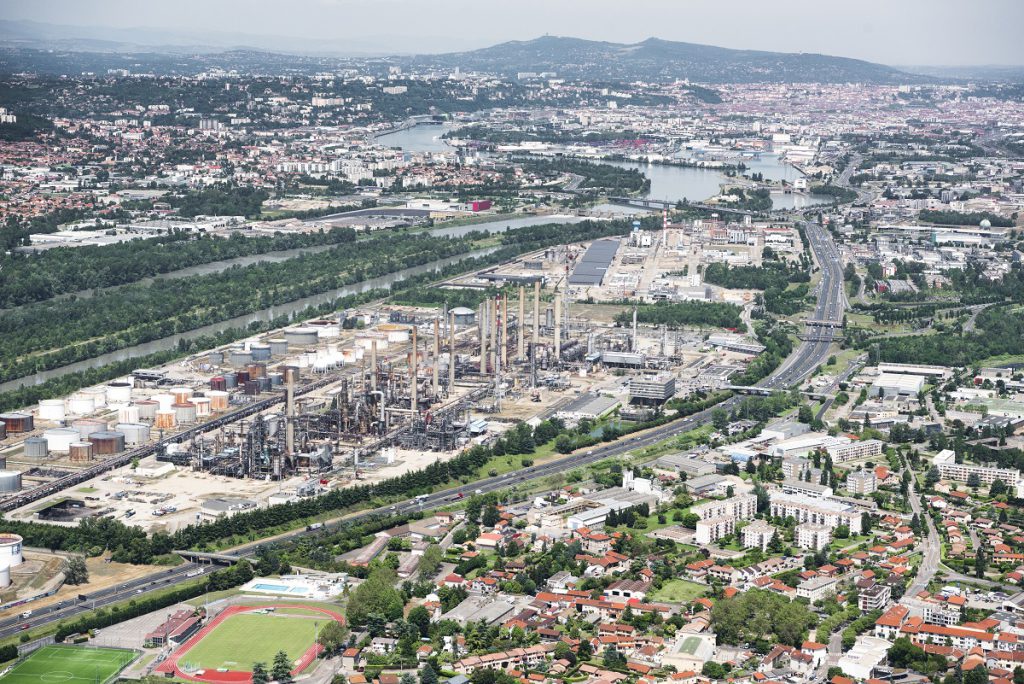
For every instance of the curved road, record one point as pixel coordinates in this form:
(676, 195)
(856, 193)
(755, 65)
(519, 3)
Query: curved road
(800, 364)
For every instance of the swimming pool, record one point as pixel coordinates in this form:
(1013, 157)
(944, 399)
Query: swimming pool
(279, 588)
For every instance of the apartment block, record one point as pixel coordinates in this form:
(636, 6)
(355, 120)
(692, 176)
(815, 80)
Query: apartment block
(861, 482)
(853, 450)
(813, 536)
(825, 511)
(949, 469)
(757, 534)
(741, 507)
(713, 529)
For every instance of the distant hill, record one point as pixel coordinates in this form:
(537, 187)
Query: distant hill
(662, 60)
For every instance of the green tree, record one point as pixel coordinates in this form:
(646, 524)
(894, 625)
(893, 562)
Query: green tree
(428, 675)
(77, 572)
(333, 637)
(375, 595)
(260, 674)
(419, 617)
(281, 671)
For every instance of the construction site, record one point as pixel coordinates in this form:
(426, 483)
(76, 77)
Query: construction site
(373, 392)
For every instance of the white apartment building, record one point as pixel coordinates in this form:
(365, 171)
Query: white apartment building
(713, 529)
(757, 534)
(812, 536)
(949, 469)
(855, 449)
(876, 597)
(861, 482)
(828, 512)
(741, 507)
(817, 588)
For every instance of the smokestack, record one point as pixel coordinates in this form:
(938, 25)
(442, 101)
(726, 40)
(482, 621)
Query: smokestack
(504, 331)
(536, 315)
(373, 365)
(494, 335)
(521, 325)
(558, 327)
(634, 331)
(414, 372)
(451, 354)
(483, 337)
(437, 353)
(289, 428)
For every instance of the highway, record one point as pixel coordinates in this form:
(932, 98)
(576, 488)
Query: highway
(798, 366)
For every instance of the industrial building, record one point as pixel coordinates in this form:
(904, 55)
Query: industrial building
(652, 389)
(595, 262)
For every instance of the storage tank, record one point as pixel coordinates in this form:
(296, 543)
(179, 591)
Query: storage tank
(260, 352)
(35, 447)
(394, 332)
(147, 409)
(301, 336)
(184, 412)
(256, 370)
(164, 419)
(218, 383)
(230, 381)
(242, 377)
(17, 422)
(218, 400)
(239, 358)
(10, 482)
(10, 548)
(276, 379)
(87, 426)
(203, 406)
(107, 443)
(119, 393)
(181, 394)
(129, 414)
(134, 433)
(59, 440)
(98, 395)
(290, 373)
(3, 430)
(264, 384)
(165, 400)
(5, 575)
(80, 452)
(278, 346)
(215, 358)
(252, 387)
(52, 409)
(81, 404)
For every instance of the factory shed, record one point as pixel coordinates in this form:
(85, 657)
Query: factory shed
(592, 267)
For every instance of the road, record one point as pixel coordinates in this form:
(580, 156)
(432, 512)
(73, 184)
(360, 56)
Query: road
(932, 545)
(800, 364)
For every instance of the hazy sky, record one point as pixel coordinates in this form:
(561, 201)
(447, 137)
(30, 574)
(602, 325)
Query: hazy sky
(888, 31)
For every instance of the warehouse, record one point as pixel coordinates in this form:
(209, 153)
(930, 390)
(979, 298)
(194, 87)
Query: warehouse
(592, 267)
(889, 385)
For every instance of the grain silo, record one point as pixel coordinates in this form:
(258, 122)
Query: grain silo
(59, 440)
(10, 482)
(35, 447)
(52, 409)
(107, 443)
(184, 412)
(80, 452)
(17, 422)
(134, 433)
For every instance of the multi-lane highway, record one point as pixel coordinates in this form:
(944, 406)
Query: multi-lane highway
(801, 363)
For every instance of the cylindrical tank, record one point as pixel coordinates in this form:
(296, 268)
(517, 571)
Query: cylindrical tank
(129, 414)
(134, 433)
(5, 575)
(147, 409)
(239, 358)
(252, 387)
(10, 545)
(87, 426)
(203, 406)
(18, 422)
(165, 400)
(260, 352)
(119, 393)
(106, 443)
(164, 419)
(218, 400)
(218, 383)
(52, 409)
(181, 394)
(301, 337)
(3, 430)
(256, 370)
(99, 396)
(81, 404)
(35, 447)
(395, 332)
(10, 481)
(290, 373)
(276, 379)
(215, 358)
(80, 452)
(59, 440)
(278, 346)
(184, 412)
(241, 377)
(230, 381)
(264, 384)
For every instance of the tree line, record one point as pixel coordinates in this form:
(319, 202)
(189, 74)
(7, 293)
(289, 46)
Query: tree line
(679, 314)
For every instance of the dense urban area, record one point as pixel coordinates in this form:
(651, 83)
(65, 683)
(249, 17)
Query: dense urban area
(556, 362)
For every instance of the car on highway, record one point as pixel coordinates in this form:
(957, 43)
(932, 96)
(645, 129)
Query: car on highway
(25, 626)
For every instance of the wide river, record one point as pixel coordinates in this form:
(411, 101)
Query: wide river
(669, 183)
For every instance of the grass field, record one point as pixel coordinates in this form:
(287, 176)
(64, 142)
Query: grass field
(72, 664)
(679, 591)
(247, 638)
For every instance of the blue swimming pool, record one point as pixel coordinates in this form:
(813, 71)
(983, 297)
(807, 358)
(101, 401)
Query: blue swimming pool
(279, 588)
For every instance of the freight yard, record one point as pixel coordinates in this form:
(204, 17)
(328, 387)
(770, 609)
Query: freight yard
(373, 392)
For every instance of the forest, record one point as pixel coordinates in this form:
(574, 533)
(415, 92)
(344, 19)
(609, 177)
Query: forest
(998, 332)
(679, 314)
(957, 218)
(774, 278)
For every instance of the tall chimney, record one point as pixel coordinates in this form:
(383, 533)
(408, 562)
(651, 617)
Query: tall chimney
(558, 327)
(494, 335)
(504, 331)
(634, 344)
(373, 365)
(437, 353)
(451, 353)
(483, 337)
(289, 429)
(414, 372)
(536, 315)
(521, 325)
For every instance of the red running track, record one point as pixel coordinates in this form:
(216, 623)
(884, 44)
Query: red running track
(236, 676)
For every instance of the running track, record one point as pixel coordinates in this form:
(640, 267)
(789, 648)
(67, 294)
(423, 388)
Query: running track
(234, 676)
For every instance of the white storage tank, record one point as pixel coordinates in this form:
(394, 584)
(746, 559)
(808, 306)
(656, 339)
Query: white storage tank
(5, 575)
(10, 549)
(395, 332)
(134, 433)
(59, 440)
(301, 336)
(87, 426)
(129, 414)
(147, 410)
(184, 412)
(10, 482)
(52, 409)
(119, 393)
(81, 405)
(218, 400)
(98, 396)
(203, 406)
(165, 401)
(239, 358)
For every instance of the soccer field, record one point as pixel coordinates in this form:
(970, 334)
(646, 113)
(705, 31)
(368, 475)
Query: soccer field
(73, 664)
(247, 638)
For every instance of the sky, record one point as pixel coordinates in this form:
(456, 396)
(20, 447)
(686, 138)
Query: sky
(896, 32)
